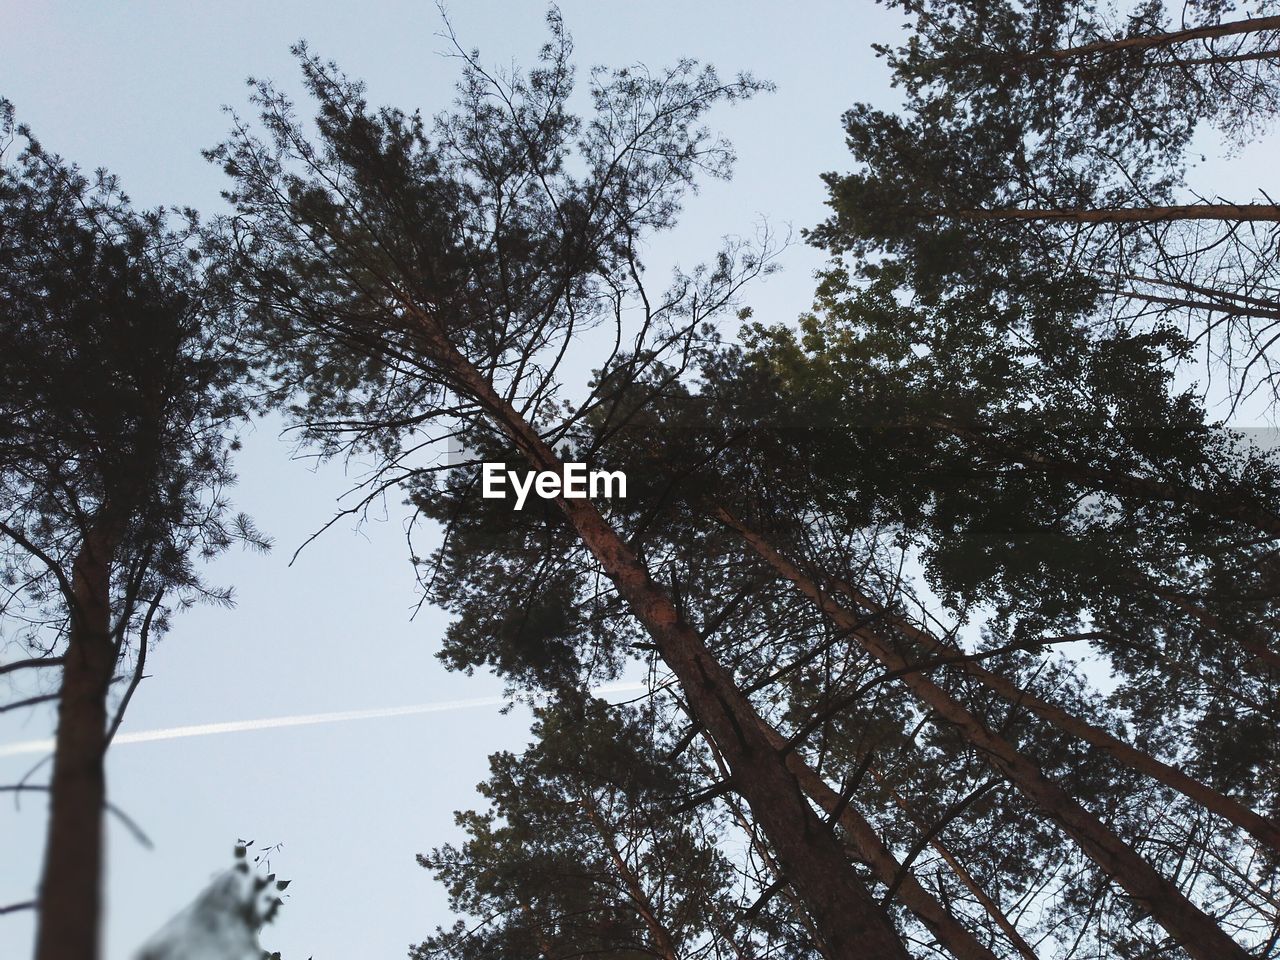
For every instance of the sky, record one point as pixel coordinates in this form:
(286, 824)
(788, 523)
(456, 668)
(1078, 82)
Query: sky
(138, 88)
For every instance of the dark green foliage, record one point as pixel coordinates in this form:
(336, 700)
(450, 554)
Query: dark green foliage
(1020, 421)
(997, 181)
(579, 854)
(1012, 465)
(121, 385)
(341, 246)
(1059, 470)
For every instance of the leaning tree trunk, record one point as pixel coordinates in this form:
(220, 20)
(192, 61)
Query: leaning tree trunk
(1233, 212)
(70, 899)
(1197, 933)
(872, 851)
(664, 943)
(868, 849)
(1265, 831)
(967, 879)
(853, 925)
(1150, 41)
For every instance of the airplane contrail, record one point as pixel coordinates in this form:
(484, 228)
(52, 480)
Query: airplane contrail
(298, 720)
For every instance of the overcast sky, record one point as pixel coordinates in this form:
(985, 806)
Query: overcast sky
(138, 88)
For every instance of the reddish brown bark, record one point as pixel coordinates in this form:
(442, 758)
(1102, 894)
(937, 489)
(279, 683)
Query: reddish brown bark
(850, 921)
(70, 899)
(970, 883)
(1166, 39)
(1197, 933)
(663, 942)
(762, 851)
(1234, 212)
(871, 850)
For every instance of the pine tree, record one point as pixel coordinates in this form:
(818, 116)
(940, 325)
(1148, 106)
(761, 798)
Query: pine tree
(914, 766)
(582, 851)
(119, 393)
(1015, 166)
(402, 282)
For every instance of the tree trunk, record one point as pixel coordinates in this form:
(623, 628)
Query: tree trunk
(1261, 829)
(1258, 827)
(1209, 306)
(851, 922)
(1233, 212)
(1198, 288)
(1196, 933)
(70, 898)
(762, 851)
(1208, 32)
(871, 850)
(1180, 63)
(664, 943)
(967, 879)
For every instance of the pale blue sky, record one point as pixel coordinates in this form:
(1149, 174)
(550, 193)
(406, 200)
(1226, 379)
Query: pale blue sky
(137, 87)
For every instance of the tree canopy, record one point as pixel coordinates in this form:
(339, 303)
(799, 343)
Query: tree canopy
(1041, 154)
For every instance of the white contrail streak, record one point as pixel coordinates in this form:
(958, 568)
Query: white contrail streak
(298, 720)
